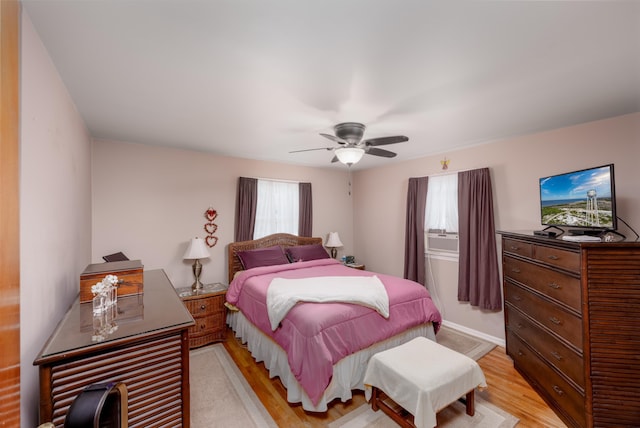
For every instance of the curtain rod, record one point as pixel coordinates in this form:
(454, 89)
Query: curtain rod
(276, 179)
(453, 172)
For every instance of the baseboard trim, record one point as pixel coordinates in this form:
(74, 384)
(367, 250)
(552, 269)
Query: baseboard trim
(498, 341)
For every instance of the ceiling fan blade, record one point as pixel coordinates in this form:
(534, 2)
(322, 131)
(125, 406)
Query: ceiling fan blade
(309, 150)
(335, 159)
(383, 141)
(334, 138)
(380, 152)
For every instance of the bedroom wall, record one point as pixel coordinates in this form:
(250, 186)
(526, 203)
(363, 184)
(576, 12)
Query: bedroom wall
(150, 201)
(516, 165)
(55, 207)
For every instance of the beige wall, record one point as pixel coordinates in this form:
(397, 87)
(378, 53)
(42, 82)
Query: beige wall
(149, 201)
(55, 207)
(516, 165)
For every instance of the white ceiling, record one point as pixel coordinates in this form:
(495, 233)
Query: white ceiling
(260, 78)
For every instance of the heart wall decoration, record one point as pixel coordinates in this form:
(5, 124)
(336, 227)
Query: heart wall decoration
(210, 227)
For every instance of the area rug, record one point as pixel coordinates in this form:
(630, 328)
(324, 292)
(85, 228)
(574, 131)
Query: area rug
(468, 345)
(486, 416)
(220, 396)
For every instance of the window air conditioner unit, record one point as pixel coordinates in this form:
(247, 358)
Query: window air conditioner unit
(441, 242)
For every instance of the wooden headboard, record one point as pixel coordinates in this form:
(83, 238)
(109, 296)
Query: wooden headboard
(282, 239)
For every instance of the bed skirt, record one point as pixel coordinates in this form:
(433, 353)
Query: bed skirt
(348, 373)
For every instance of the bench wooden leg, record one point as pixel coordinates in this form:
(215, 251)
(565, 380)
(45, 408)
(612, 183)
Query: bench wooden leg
(470, 403)
(374, 399)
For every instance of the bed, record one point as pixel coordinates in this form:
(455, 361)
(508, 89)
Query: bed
(319, 350)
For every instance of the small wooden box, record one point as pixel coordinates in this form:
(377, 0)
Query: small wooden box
(129, 273)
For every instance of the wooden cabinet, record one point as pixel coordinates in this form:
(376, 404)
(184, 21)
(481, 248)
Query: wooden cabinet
(571, 325)
(207, 308)
(145, 347)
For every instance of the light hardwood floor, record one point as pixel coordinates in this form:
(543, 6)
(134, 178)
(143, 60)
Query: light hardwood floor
(507, 390)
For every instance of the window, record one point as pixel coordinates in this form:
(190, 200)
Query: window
(277, 208)
(441, 215)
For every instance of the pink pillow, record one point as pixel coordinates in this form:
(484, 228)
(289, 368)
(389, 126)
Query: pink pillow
(262, 257)
(304, 253)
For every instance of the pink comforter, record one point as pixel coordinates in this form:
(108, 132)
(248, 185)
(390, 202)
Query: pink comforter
(315, 336)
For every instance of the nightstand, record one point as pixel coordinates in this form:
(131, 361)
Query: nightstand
(208, 311)
(355, 266)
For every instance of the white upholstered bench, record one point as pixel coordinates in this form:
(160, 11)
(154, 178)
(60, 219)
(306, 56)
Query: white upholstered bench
(422, 377)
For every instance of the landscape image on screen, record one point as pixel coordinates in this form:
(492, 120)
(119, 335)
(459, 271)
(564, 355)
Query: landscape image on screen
(581, 198)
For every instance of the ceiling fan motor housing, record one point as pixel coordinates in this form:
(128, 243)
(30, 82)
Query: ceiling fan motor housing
(351, 132)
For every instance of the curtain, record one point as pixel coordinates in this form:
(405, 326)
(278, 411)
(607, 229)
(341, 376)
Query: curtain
(246, 208)
(277, 208)
(305, 223)
(414, 266)
(478, 275)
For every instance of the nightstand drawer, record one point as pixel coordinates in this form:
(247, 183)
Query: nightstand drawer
(205, 306)
(205, 325)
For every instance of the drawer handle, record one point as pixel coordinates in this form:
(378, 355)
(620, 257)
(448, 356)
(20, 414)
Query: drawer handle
(203, 307)
(515, 270)
(555, 320)
(557, 389)
(557, 356)
(203, 326)
(516, 297)
(552, 257)
(520, 353)
(514, 248)
(554, 286)
(519, 325)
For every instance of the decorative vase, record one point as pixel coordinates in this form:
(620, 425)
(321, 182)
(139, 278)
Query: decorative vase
(99, 304)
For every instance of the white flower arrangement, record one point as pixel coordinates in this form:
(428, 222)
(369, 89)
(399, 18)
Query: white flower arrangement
(105, 285)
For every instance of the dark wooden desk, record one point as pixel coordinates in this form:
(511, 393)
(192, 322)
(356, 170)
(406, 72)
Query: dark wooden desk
(146, 347)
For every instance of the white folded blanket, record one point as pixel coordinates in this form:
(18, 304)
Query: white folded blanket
(283, 294)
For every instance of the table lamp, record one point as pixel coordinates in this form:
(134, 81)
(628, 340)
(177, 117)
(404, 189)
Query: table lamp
(197, 250)
(333, 241)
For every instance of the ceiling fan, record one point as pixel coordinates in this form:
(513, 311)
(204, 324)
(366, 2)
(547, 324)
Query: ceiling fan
(351, 148)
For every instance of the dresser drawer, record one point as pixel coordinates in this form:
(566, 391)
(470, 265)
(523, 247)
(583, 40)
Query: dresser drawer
(556, 285)
(568, 399)
(550, 315)
(205, 306)
(564, 259)
(555, 352)
(517, 247)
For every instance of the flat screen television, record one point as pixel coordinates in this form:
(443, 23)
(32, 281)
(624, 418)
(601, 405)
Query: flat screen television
(583, 199)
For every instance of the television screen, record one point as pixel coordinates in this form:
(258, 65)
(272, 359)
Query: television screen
(584, 198)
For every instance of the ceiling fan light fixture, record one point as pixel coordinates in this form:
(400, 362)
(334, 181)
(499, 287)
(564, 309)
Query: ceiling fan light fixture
(349, 155)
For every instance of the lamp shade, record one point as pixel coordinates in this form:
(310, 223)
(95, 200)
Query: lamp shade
(349, 155)
(333, 240)
(196, 250)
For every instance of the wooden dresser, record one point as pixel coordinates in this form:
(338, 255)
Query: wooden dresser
(146, 347)
(206, 305)
(571, 317)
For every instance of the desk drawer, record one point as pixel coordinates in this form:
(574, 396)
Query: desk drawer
(550, 315)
